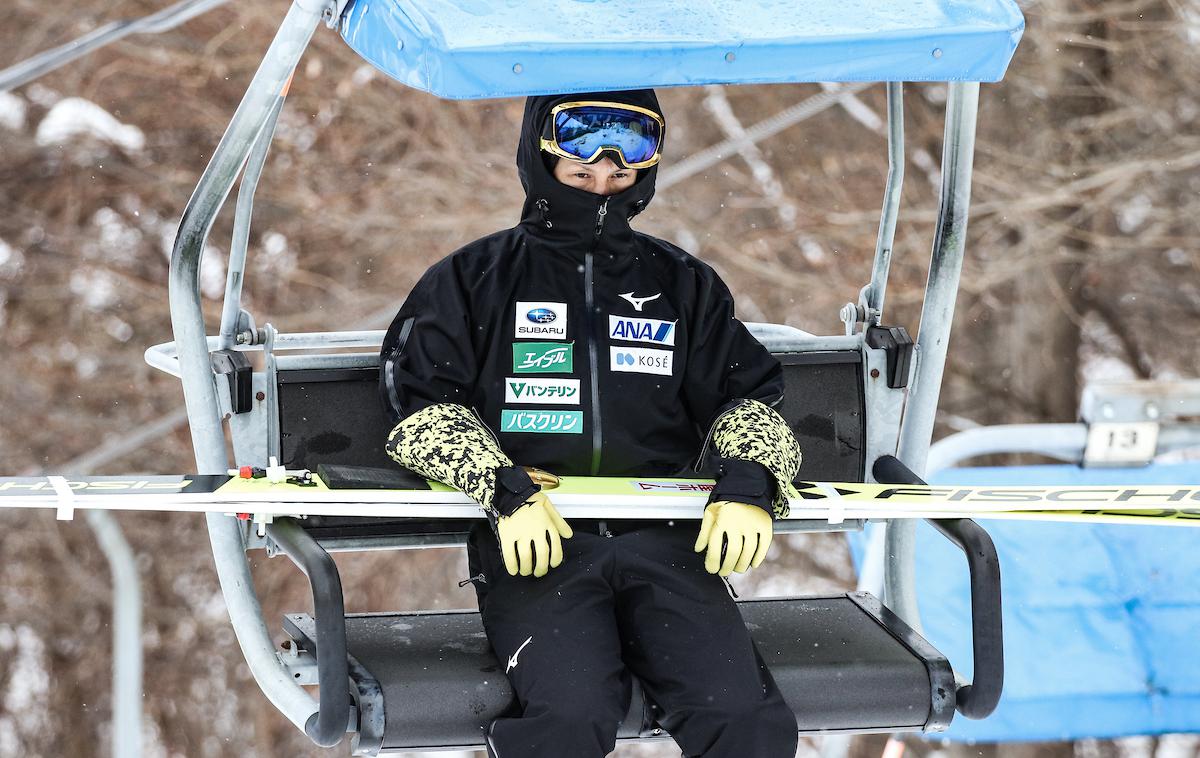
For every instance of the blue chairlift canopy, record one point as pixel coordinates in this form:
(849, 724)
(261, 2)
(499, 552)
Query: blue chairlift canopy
(465, 49)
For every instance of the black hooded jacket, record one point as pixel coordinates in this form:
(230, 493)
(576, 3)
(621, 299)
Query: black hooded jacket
(586, 347)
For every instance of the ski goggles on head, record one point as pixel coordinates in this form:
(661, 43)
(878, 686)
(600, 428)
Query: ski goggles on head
(584, 131)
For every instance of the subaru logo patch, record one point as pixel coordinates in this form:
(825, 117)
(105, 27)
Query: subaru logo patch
(540, 320)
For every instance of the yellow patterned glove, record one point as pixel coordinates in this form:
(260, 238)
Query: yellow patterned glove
(531, 538)
(751, 431)
(449, 444)
(744, 531)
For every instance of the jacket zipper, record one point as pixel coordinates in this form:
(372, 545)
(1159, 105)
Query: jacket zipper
(487, 428)
(593, 350)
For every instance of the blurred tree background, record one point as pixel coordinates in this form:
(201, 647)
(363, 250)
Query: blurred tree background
(1083, 261)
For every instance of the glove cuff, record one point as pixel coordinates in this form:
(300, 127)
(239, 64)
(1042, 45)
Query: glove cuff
(513, 487)
(744, 482)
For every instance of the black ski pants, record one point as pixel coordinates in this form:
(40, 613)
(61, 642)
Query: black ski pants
(626, 600)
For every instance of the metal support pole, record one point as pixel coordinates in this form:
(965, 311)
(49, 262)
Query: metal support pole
(232, 307)
(937, 316)
(187, 321)
(872, 295)
(127, 635)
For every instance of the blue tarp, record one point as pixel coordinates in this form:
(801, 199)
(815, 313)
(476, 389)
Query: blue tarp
(506, 48)
(1101, 622)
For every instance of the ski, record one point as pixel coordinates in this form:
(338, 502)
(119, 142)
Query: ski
(603, 497)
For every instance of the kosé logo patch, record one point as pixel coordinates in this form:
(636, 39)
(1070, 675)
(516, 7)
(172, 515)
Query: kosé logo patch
(540, 320)
(543, 358)
(641, 330)
(640, 360)
(541, 391)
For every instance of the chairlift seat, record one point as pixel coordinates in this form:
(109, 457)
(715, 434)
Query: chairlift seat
(844, 664)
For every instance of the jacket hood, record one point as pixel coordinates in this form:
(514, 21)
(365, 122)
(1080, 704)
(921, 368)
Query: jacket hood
(566, 214)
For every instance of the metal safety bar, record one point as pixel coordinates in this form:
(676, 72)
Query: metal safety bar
(778, 338)
(979, 698)
(330, 723)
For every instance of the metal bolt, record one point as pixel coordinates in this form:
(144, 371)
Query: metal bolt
(260, 396)
(1151, 410)
(518, 68)
(937, 52)
(874, 373)
(730, 57)
(1107, 410)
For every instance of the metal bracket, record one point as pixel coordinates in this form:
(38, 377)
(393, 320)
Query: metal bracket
(246, 333)
(332, 15)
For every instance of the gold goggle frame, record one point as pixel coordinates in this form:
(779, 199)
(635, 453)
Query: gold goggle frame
(550, 145)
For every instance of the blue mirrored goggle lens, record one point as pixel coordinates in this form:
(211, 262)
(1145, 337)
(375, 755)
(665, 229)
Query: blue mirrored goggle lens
(584, 130)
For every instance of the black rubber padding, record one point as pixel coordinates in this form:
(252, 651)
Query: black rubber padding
(342, 477)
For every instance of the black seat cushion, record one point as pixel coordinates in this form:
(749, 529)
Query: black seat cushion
(843, 663)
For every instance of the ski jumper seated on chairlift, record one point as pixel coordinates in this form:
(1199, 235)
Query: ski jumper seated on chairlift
(575, 345)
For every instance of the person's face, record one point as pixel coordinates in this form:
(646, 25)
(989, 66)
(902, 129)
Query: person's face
(604, 177)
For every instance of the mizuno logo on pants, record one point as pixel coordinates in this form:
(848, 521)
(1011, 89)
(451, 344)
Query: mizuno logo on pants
(512, 659)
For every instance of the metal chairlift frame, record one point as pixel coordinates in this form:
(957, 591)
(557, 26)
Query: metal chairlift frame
(243, 149)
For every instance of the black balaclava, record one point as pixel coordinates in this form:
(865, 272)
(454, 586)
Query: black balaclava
(567, 215)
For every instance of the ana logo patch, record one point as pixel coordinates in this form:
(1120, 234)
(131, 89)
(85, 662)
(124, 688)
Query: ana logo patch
(641, 330)
(534, 320)
(640, 360)
(543, 358)
(544, 391)
(542, 422)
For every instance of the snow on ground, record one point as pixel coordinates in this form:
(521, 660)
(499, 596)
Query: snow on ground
(74, 117)
(8, 256)
(26, 689)
(12, 111)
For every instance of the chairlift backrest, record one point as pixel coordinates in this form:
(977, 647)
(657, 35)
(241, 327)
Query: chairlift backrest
(334, 415)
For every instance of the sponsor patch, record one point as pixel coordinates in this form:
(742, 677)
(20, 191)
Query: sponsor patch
(638, 302)
(539, 320)
(640, 360)
(645, 486)
(641, 330)
(543, 358)
(544, 391)
(542, 422)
